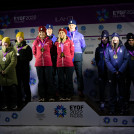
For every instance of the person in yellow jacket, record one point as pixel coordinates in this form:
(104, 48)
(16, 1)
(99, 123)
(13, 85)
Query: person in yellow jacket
(8, 78)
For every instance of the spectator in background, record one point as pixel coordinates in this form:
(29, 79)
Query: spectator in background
(8, 78)
(65, 67)
(1, 37)
(130, 67)
(116, 61)
(102, 69)
(79, 48)
(42, 51)
(24, 56)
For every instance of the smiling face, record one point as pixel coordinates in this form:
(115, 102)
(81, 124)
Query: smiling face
(19, 39)
(5, 45)
(49, 31)
(72, 27)
(115, 40)
(62, 34)
(42, 34)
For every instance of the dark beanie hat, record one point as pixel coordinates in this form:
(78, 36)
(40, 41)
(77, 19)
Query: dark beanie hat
(115, 35)
(130, 36)
(105, 33)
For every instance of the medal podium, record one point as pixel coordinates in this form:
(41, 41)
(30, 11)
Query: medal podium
(78, 112)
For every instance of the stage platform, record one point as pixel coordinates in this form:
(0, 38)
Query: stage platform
(78, 112)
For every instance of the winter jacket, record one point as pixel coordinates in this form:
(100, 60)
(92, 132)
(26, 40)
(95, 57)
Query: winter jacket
(68, 50)
(9, 78)
(53, 38)
(130, 65)
(79, 43)
(118, 64)
(42, 58)
(25, 55)
(100, 58)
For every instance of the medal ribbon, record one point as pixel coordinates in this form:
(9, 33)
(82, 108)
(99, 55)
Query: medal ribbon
(42, 43)
(4, 54)
(62, 45)
(18, 49)
(106, 47)
(115, 53)
(131, 52)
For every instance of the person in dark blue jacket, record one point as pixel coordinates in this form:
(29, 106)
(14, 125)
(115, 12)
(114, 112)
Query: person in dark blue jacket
(116, 61)
(80, 46)
(102, 69)
(130, 66)
(53, 38)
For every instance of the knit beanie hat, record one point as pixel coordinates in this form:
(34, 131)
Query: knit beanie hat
(115, 35)
(49, 26)
(20, 34)
(42, 28)
(6, 40)
(63, 29)
(105, 33)
(72, 22)
(130, 36)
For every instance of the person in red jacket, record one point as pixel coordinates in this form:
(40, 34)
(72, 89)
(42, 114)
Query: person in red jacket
(65, 67)
(42, 51)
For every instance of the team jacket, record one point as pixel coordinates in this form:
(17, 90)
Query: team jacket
(42, 58)
(100, 58)
(79, 43)
(130, 65)
(118, 64)
(68, 50)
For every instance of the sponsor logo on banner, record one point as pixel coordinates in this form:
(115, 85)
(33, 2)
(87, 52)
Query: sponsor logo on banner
(122, 13)
(60, 111)
(4, 21)
(102, 15)
(23, 19)
(76, 111)
(63, 18)
(83, 30)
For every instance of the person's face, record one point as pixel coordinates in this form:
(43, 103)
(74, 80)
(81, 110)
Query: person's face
(115, 40)
(19, 39)
(131, 42)
(104, 40)
(49, 31)
(72, 27)
(42, 34)
(5, 45)
(62, 34)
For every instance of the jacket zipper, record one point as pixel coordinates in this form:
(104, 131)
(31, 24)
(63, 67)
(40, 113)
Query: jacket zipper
(42, 59)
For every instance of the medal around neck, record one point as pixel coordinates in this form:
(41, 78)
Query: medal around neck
(62, 54)
(4, 58)
(42, 49)
(17, 54)
(115, 56)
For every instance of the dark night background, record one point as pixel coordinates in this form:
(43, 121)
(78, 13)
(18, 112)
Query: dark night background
(37, 4)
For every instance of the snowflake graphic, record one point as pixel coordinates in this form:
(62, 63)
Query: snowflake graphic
(102, 15)
(60, 111)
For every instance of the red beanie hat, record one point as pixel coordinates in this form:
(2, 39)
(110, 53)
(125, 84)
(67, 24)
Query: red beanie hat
(42, 28)
(63, 29)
